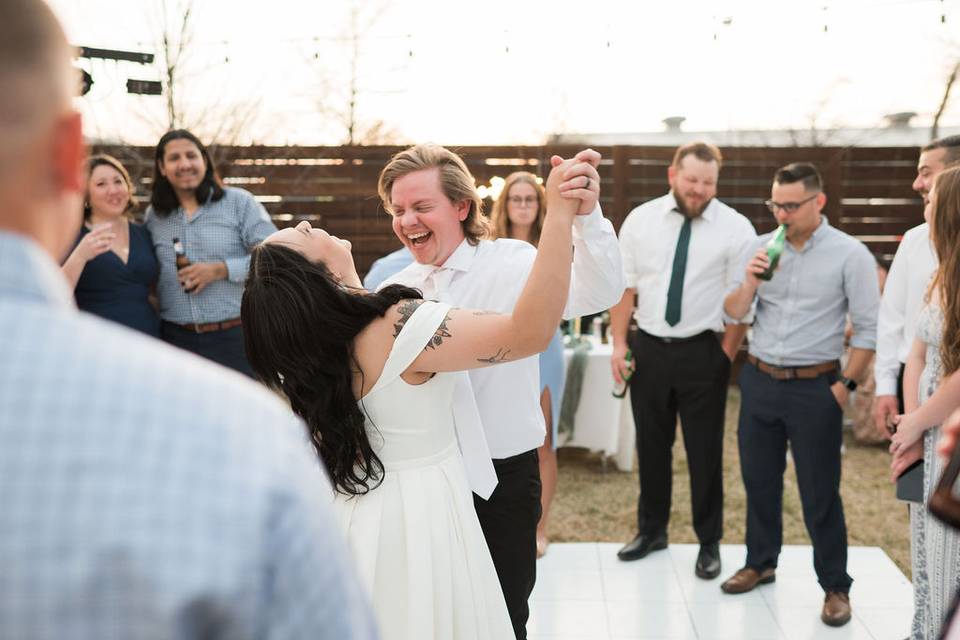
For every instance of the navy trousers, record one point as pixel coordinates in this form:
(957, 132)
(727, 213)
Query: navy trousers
(223, 347)
(804, 413)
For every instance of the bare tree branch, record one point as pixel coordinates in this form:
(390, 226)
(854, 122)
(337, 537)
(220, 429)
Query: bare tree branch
(342, 99)
(951, 79)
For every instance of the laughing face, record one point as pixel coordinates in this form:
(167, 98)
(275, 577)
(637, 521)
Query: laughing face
(424, 219)
(182, 164)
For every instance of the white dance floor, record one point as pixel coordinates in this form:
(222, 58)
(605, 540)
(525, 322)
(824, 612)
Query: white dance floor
(584, 592)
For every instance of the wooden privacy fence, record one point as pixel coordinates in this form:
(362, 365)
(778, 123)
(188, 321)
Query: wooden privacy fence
(868, 189)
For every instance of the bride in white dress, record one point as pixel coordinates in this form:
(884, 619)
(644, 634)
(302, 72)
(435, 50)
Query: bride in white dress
(372, 375)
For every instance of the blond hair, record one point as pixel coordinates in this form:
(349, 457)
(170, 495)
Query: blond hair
(105, 160)
(456, 182)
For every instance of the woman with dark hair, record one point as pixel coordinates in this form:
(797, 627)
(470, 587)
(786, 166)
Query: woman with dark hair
(112, 267)
(372, 376)
(203, 233)
(518, 213)
(930, 394)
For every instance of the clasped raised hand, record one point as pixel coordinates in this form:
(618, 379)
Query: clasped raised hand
(580, 179)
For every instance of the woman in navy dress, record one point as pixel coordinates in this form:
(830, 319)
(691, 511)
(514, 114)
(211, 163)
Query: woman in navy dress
(518, 213)
(113, 268)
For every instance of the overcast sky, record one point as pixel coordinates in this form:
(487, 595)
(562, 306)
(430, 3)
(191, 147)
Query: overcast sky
(514, 71)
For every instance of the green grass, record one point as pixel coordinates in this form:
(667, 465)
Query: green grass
(596, 505)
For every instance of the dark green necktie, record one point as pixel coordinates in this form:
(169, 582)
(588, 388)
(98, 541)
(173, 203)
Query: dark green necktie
(675, 292)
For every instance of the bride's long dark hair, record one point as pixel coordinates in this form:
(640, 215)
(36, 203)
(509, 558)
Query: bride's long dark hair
(299, 324)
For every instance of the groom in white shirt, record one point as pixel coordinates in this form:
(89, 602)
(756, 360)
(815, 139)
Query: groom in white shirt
(437, 215)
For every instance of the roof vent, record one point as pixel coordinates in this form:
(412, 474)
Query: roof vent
(900, 120)
(673, 123)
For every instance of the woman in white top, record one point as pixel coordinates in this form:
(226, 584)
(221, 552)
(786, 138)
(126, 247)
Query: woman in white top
(371, 375)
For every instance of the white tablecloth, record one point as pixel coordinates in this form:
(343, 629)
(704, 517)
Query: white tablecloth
(602, 423)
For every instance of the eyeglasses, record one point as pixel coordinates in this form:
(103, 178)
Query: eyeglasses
(517, 201)
(788, 207)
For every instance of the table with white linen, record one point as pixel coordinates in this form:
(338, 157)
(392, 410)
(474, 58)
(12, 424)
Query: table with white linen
(602, 423)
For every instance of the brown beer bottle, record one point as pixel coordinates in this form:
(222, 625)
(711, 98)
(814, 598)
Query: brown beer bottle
(181, 257)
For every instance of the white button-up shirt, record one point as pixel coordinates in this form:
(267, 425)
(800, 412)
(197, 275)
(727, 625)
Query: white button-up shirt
(907, 283)
(490, 277)
(719, 239)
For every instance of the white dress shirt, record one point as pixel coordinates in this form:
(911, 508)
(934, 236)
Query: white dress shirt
(719, 239)
(490, 277)
(903, 294)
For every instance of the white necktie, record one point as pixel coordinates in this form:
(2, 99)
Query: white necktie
(472, 440)
(466, 415)
(436, 283)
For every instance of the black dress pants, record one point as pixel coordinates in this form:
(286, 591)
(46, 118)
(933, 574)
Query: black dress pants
(689, 378)
(509, 522)
(804, 413)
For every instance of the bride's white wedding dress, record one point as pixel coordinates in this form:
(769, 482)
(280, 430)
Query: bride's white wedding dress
(416, 539)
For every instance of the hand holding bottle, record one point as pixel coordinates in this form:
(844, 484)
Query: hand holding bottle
(622, 364)
(774, 250)
(757, 266)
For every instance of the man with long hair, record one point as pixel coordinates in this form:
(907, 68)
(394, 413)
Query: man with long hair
(203, 233)
(437, 214)
(145, 494)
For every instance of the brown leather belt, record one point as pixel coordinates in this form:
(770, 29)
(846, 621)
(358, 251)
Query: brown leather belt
(794, 373)
(207, 327)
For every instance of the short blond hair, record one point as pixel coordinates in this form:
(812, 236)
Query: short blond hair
(456, 182)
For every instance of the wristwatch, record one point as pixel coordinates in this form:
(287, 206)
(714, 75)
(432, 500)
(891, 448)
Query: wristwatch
(849, 383)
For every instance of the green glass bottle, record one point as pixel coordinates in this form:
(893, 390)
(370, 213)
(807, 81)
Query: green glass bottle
(774, 251)
(620, 390)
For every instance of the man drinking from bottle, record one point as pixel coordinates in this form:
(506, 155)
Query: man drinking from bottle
(792, 388)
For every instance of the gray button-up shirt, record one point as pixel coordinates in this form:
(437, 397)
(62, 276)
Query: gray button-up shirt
(801, 314)
(147, 493)
(223, 231)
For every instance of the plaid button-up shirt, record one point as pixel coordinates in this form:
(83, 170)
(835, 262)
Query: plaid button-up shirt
(223, 231)
(145, 493)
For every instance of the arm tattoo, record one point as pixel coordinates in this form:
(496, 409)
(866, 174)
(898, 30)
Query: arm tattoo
(405, 309)
(441, 333)
(500, 356)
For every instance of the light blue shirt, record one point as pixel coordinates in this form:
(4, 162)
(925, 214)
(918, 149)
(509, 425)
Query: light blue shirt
(385, 267)
(801, 314)
(223, 231)
(146, 493)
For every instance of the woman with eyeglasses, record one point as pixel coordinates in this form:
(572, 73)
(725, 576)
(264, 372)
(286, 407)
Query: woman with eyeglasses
(518, 213)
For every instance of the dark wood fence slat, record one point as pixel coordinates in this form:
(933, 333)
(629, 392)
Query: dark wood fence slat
(868, 188)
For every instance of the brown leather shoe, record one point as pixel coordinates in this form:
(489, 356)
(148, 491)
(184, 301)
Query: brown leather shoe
(836, 609)
(747, 578)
